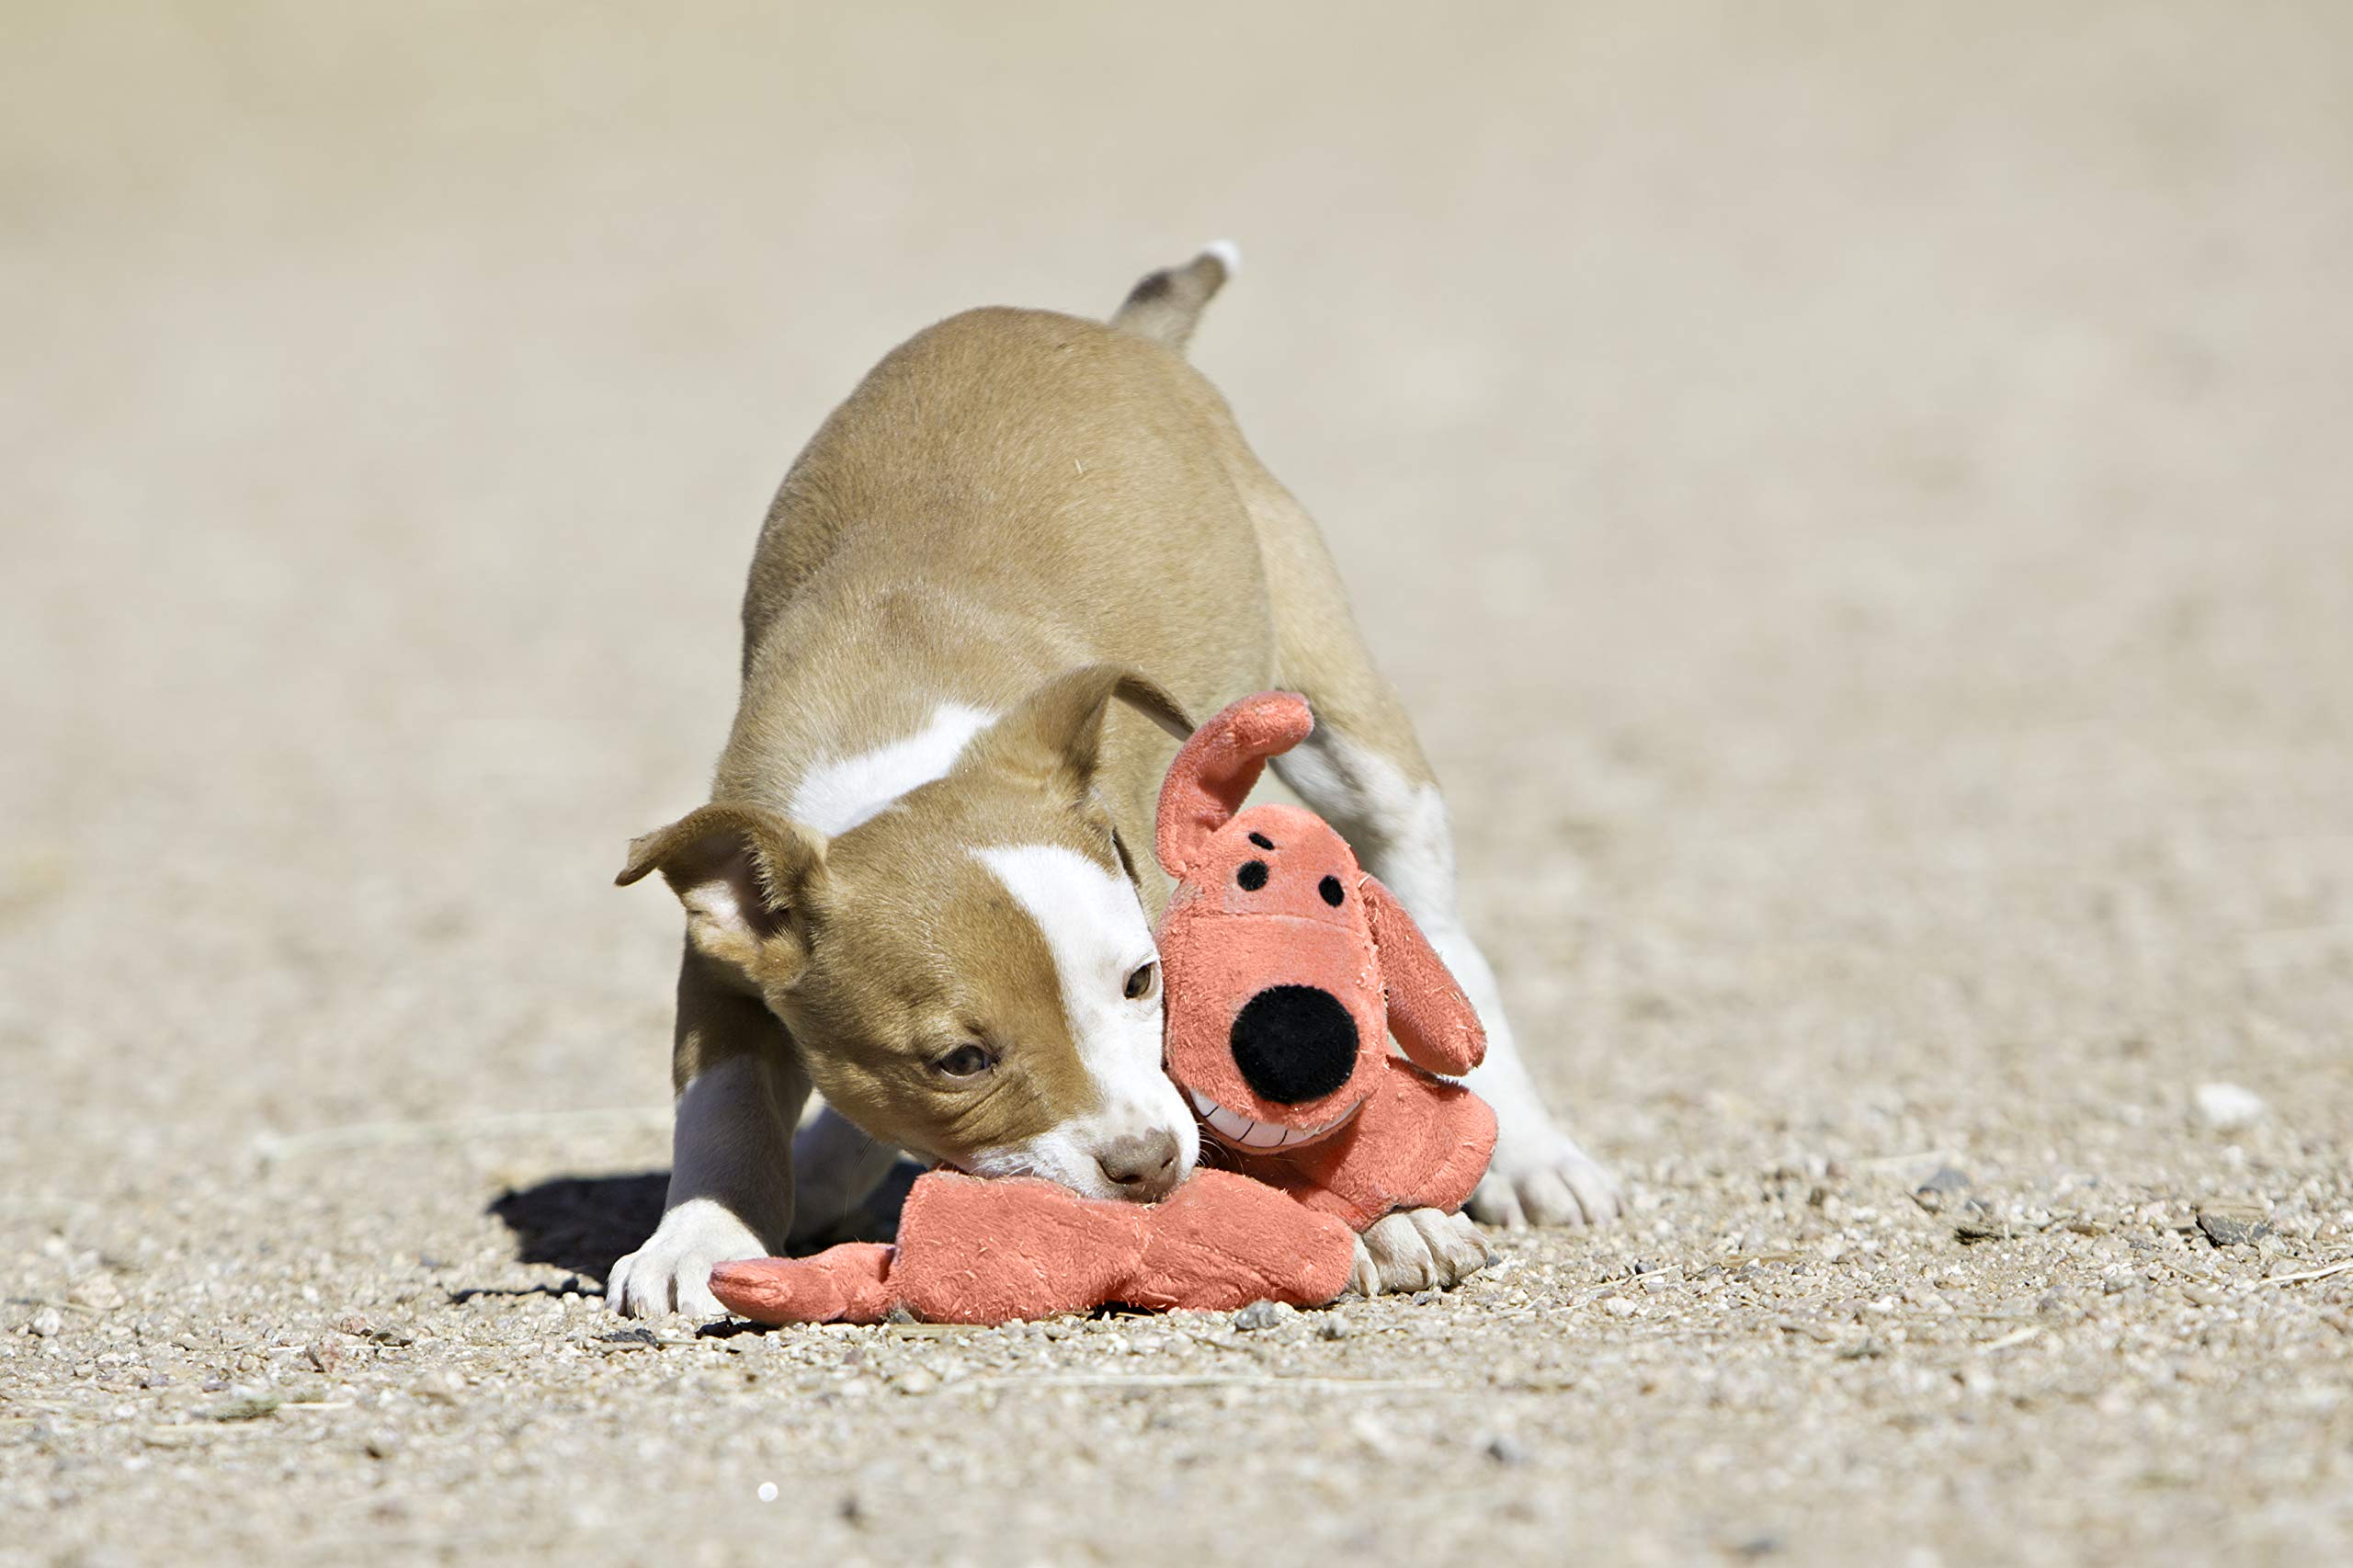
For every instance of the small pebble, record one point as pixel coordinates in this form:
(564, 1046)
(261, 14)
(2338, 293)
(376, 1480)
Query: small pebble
(915, 1381)
(1505, 1450)
(48, 1322)
(1619, 1306)
(1260, 1315)
(1332, 1326)
(1941, 1190)
(2226, 1107)
(97, 1291)
(323, 1354)
(2233, 1225)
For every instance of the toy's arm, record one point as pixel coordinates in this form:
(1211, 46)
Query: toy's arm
(850, 1283)
(1466, 1126)
(1428, 1011)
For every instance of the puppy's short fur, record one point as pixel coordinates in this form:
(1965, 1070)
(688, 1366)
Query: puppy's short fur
(992, 588)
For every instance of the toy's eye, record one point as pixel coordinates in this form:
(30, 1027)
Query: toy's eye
(1253, 875)
(1330, 888)
(965, 1062)
(1143, 981)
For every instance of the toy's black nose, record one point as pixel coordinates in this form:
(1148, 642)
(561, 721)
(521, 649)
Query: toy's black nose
(1294, 1043)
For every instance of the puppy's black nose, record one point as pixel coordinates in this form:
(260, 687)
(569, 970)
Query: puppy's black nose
(1294, 1043)
(1141, 1165)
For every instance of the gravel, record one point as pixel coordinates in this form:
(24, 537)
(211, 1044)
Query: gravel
(1859, 509)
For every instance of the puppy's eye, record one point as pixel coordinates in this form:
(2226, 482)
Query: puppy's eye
(1253, 875)
(965, 1062)
(1143, 981)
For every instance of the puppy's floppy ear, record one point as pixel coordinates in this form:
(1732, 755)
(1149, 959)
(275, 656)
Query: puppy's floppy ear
(1055, 733)
(1218, 768)
(746, 876)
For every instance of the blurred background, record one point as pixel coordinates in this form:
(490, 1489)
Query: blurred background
(1859, 498)
(393, 393)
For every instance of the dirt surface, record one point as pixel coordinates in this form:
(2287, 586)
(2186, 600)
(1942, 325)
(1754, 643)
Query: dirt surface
(1861, 509)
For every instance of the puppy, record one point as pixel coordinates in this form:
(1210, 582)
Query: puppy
(987, 596)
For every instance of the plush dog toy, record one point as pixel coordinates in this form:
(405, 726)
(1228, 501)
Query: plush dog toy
(1285, 969)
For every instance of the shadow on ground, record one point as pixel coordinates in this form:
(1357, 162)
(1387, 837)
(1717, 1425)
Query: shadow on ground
(586, 1223)
(582, 1223)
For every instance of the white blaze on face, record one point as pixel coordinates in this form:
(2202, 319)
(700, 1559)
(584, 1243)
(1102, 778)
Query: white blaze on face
(1096, 930)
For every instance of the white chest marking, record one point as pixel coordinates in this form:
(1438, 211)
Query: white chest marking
(841, 792)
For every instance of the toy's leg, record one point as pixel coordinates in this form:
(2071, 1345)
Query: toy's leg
(850, 1283)
(1363, 770)
(975, 1251)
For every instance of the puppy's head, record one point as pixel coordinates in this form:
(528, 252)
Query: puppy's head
(969, 973)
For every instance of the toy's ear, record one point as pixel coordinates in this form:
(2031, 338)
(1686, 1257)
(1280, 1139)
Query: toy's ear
(1216, 770)
(1434, 1022)
(1055, 733)
(747, 877)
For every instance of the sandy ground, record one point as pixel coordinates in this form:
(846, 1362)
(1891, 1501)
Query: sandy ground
(1861, 507)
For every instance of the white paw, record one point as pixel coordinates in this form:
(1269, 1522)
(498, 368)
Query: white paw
(671, 1273)
(1540, 1177)
(1417, 1249)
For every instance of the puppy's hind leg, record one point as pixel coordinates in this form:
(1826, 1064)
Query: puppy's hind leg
(835, 1168)
(1397, 823)
(1363, 770)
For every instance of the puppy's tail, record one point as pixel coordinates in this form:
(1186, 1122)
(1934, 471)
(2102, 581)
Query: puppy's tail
(1167, 304)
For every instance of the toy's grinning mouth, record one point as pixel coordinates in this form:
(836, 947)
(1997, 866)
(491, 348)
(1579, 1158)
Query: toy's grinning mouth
(1236, 1130)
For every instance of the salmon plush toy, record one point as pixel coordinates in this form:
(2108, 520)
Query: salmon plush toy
(1285, 969)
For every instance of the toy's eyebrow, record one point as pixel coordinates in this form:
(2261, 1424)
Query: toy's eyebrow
(1262, 841)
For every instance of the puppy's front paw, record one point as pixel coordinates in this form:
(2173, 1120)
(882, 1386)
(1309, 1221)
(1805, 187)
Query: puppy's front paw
(1540, 1177)
(672, 1271)
(1418, 1249)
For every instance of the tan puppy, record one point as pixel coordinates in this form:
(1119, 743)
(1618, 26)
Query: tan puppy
(988, 595)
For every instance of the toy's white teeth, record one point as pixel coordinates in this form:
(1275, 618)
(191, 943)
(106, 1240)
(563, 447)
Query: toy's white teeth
(1242, 1131)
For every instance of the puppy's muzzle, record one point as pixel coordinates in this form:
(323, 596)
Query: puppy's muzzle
(1142, 1167)
(1294, 1043)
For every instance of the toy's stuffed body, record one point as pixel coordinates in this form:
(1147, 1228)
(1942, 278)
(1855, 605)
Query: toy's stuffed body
(1285, 968)
(991, 1252)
